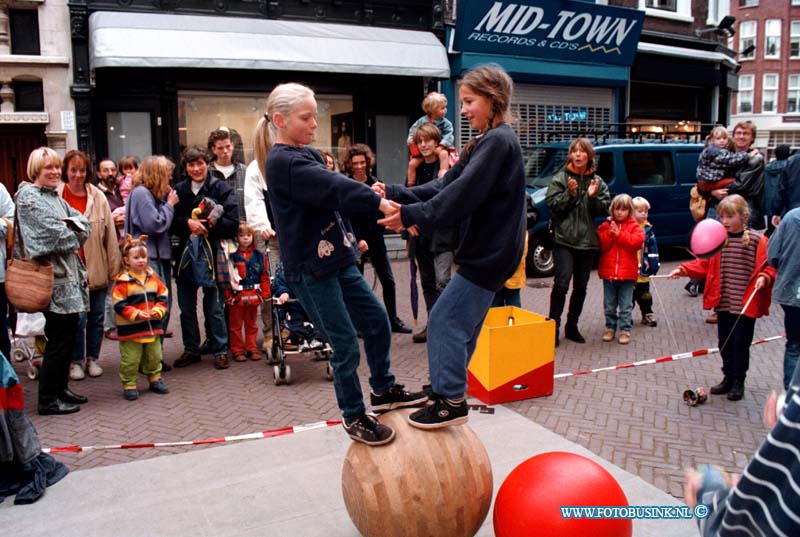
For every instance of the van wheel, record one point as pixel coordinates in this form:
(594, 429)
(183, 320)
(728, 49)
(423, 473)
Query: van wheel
(539, 263)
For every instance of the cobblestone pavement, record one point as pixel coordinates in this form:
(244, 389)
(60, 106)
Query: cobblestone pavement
(633, 417)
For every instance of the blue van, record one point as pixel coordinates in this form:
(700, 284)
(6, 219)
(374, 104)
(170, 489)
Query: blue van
(661, 172)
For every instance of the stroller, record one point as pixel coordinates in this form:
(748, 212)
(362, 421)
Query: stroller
(29, 326)
(292, 333)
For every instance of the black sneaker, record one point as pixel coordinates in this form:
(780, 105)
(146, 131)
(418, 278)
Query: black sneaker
(442, 413)
(396, 397)
(368, 430)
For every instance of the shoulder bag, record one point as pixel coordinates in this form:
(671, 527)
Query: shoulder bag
(29, 282)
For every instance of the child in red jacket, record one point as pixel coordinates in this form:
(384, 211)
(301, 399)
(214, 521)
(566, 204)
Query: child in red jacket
(734, 275)
(248, 288)
(621, 238)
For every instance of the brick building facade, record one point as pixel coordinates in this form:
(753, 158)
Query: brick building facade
(767, 41)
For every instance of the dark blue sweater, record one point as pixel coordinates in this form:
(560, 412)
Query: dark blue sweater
(310, 203)
(217, 190)
(485, 193)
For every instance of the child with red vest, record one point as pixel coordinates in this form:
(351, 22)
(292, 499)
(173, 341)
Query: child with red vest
(140, 303)
(247, 289)
(621, 238)
(735, 274)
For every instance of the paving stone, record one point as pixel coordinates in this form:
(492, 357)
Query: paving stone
(633, 417)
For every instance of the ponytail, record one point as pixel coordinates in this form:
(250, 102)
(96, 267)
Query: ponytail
(262, 142)
(282, 99)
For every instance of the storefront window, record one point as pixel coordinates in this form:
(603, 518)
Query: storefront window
(129, 133)
(199, 113)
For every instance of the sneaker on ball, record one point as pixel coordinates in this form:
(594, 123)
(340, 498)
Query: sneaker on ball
(396, 397)
(368, 430)
(442, 413)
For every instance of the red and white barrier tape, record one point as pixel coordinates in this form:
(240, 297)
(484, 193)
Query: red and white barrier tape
(252, 436)
(681, 356)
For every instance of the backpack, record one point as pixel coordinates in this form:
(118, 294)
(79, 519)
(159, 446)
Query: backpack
(196, 264)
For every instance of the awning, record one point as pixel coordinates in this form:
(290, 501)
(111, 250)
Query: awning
(168, 40)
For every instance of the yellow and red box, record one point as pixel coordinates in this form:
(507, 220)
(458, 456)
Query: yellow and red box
(513, 359)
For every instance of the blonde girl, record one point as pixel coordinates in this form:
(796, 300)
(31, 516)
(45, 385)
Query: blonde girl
(485, 190)
(310, 205)
(734, 275)
(140, 304)
(149, 212)
(621, 238)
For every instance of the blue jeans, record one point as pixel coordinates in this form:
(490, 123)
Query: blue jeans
(90, 328)
(507, 297)
(453, 329)
(618, 304)
(217, 332)
(341, 304)
(791, 323)
(163, 269)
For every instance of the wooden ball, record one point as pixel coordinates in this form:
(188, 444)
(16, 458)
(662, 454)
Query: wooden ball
(424, 483)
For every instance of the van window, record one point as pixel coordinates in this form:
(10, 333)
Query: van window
(604, 166)
(649, 168)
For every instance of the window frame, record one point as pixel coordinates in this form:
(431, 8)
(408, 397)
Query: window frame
(790, 89)
(742, 90)
(773, 88)
(683, 11)
(776, 37)
(33, 34)
(794, 39)
(747, 39)
(720, 8)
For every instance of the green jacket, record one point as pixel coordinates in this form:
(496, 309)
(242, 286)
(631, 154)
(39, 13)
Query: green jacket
(574, 217)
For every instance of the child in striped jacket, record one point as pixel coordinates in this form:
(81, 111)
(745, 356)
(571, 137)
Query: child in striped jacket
(140, 303)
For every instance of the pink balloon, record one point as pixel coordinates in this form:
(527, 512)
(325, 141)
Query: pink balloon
(707, 238)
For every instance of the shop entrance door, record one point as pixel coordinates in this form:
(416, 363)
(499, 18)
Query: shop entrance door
(16, 144)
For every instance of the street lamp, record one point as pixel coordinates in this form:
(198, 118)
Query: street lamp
(725, 26)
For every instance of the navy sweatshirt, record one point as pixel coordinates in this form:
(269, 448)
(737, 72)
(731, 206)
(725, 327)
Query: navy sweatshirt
(310, 203)
(485, 193)
(217, 190)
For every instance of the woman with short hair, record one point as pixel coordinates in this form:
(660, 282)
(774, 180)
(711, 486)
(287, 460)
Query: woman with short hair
(53, 231)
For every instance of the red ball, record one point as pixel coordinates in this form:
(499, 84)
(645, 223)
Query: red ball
(530, 499)
(707, 238)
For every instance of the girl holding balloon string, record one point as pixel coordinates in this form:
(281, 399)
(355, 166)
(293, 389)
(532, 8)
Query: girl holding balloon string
(738, 287)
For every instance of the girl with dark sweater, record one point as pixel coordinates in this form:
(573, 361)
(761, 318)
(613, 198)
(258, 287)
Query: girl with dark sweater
(319, 251)
(484, 192)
